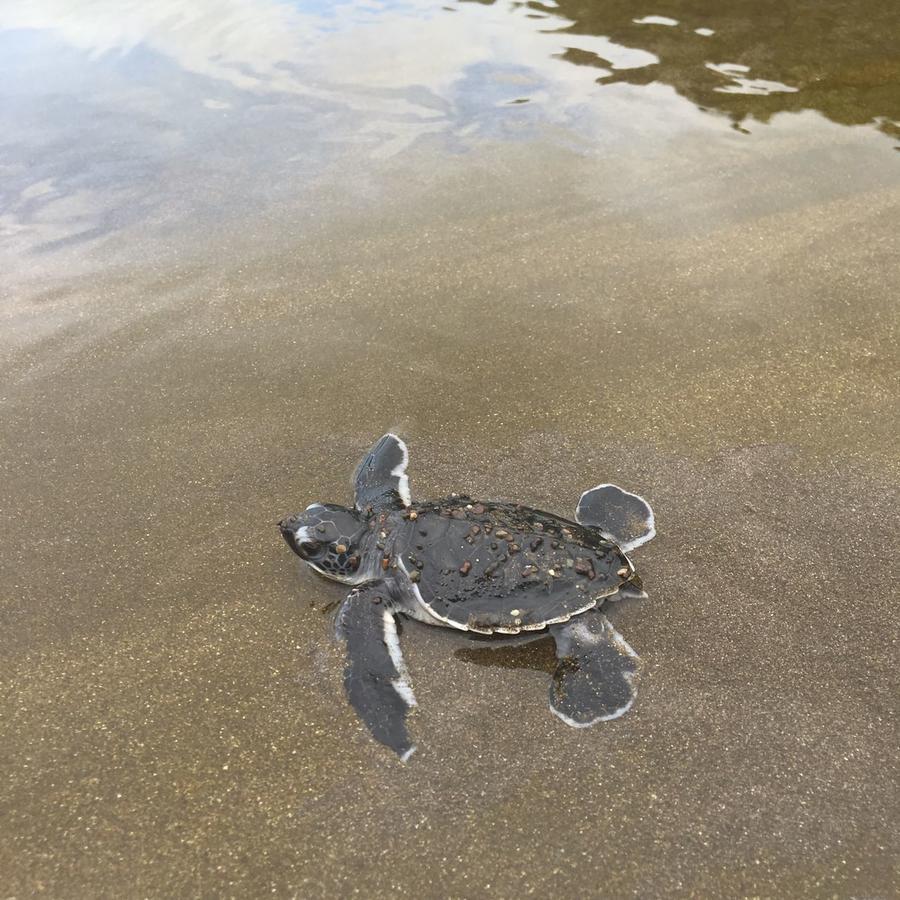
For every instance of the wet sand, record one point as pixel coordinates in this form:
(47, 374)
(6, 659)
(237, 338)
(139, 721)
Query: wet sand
(710, 321)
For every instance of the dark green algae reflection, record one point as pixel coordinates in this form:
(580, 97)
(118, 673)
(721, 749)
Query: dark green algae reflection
(750, 59)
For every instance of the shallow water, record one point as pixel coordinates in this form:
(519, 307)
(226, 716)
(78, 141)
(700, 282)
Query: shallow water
(551, 245)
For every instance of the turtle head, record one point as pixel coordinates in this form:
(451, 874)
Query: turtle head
(327, 538)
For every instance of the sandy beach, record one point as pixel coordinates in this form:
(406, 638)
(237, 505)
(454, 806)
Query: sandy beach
(218, 293)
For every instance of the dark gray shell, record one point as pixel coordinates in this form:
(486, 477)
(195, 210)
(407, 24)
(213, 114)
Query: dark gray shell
(495, 567)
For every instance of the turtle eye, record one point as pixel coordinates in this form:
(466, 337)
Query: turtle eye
(308, 548)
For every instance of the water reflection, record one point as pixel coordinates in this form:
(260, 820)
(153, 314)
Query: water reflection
(113, 113)
(417, 58)
(750, 59)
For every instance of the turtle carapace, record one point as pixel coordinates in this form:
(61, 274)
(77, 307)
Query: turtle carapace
(494, 569)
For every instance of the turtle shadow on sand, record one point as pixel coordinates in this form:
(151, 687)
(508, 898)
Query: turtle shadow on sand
(538, 655)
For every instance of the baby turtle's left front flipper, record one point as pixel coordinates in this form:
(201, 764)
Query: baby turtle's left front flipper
(381, 480)
(375, 676)
(596, 678)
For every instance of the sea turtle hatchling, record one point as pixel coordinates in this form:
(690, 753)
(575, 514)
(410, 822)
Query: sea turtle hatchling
(489, 568)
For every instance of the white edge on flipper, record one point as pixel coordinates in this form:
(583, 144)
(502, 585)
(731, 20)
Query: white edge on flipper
(614, 715)
(588, 637)
(402, 684)
(399, 471)
(392, 642)
(628, 546)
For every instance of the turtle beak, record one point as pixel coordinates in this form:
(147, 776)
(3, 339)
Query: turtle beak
(288, 528)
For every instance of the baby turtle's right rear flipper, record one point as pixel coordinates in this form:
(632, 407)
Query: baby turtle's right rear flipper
(596, 677)
(619, 515)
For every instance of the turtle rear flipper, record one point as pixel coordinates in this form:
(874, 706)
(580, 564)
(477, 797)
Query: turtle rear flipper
(381, 479)
(619, 515)
(375, 676)
(596, 677)
(631, 590)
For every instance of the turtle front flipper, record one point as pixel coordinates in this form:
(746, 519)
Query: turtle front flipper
(596, 677)
(375, 676)
(619, 515)
(381, 477)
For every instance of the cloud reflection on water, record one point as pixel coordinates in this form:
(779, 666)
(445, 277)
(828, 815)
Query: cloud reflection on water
(361, 54)
(127, 111)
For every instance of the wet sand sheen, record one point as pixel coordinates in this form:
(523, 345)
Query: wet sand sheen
(709, 320)
(174, 699)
